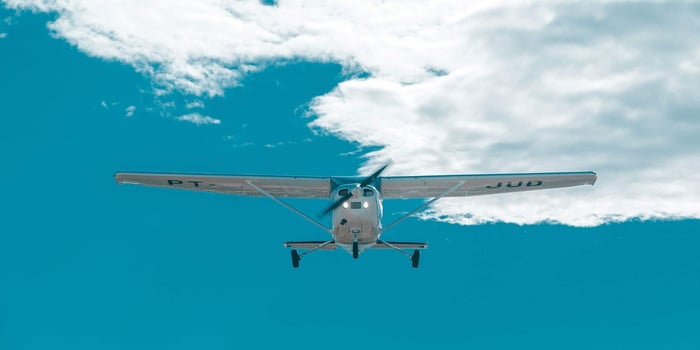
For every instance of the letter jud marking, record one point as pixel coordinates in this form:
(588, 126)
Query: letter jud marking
(520, 183)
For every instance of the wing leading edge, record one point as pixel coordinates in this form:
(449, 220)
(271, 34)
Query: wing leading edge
(479, 185)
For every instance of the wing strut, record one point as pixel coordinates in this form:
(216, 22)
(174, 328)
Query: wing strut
(294, 210)
(450, 190)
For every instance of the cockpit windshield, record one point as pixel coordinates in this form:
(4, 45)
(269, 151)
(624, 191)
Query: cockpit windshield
(366, 192)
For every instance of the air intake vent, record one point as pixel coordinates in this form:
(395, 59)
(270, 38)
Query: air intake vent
(355, 205)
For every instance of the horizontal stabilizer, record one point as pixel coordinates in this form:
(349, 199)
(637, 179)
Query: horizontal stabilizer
(332, 246)
(403, 245)
(309, 245)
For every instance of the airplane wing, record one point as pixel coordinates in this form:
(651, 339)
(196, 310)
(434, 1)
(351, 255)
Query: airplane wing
(391, 186)
(278, 186)
(478, 185)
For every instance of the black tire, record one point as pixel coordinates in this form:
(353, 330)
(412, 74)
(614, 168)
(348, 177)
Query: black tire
(355, 250)
(415, 258)
(295, 258)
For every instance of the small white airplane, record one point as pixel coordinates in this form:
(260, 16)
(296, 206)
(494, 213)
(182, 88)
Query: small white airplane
(356, 202)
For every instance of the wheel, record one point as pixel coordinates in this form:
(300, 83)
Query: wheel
(295, 258)
(355, 250)
(415, 258)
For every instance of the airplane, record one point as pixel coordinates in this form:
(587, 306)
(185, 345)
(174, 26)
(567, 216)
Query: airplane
(356, 203)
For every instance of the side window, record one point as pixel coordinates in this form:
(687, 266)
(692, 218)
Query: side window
(343, 192)
(368, 193)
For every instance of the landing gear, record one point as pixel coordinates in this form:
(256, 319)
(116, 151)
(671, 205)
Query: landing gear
(295, 258)
(355, 250)
(415, 258)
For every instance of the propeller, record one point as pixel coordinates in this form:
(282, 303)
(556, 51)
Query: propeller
(335, 204)
(368, 180)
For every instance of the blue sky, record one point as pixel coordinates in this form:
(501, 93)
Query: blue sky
(88, 264)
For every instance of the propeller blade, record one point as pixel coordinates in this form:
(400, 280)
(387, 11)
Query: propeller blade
(336, 204)
(374, 175)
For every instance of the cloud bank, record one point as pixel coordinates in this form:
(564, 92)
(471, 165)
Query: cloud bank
(455, 87)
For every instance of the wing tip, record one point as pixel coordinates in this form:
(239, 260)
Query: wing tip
(595, 178)
(119, 177)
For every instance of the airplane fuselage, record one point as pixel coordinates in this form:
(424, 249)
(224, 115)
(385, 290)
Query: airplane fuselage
(358, 219)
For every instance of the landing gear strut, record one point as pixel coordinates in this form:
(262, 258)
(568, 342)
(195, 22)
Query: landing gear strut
(355, 250)
(295, 258)
(415, 257)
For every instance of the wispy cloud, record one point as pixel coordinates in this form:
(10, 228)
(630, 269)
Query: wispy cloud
(198, 119)
(107, 105)
(479, 86)
(195, 104)
(3, 35)
(130, 111)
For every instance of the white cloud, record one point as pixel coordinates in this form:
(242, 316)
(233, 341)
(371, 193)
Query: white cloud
(198, 119)
(195, 104)
(480, 86)
(3, 35)
(130, 111)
